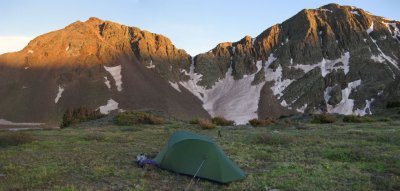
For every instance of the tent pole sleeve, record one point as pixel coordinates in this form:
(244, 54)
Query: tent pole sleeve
(190, 183)
(199, 168)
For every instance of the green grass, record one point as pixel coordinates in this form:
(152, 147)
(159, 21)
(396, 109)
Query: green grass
(304, 156)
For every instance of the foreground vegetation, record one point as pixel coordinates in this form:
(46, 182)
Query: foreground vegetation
(285, 155)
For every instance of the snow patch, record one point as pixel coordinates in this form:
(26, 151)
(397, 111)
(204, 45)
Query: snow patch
(328, 10)
(395, 33)
(302, 108)
(371, 28)
(60, 91)
(284, 104)
(305, 68)
(151, 65)
(116, 74)
(175, 86)
(327, 66)
(276, 76)
(10, 123)
(233, 99)
(365, 40)
(233, 49)
(111, 105)
(388, 27)
(355, 12)
(378, 58)
(191, 84)
(23, 129)
(345, 106)
(366, 110)
(107, 82)
(383, 55)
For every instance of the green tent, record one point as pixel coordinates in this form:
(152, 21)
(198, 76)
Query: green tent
(199, 156)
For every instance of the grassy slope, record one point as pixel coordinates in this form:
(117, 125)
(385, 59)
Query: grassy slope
(287, 157)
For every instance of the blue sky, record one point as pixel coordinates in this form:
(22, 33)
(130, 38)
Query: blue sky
(194, 25)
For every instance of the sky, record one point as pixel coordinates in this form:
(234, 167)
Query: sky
(194, 25)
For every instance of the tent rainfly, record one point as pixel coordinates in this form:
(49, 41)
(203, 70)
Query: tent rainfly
(199, 156)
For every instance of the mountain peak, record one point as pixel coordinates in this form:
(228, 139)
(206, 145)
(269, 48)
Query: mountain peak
(246, 39)
(94, 19)
(331, 6)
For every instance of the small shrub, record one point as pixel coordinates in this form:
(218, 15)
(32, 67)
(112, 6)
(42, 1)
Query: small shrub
(133, 117)
(323, 118)
(155, 120)
(206, 124)
(220, 121)
(194, 121)
(15, 138)
(77, 115)
(262, 122)
(357, 119)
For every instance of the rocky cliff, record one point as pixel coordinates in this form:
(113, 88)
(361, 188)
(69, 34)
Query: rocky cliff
(335, 59)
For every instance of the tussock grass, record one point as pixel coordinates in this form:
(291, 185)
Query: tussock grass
(323, 118)
(206, 124)
(261, 122)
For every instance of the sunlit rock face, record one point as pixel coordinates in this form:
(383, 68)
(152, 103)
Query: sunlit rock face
(97, 64)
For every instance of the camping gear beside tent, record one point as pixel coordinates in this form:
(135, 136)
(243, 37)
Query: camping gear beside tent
(142, 161)
(199, 156)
